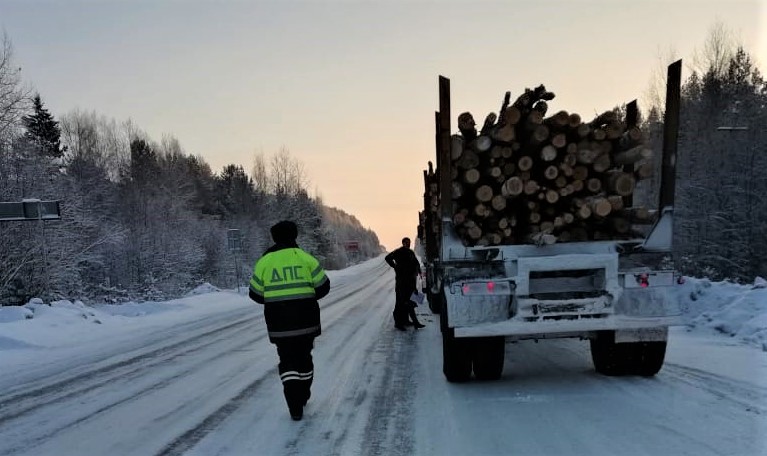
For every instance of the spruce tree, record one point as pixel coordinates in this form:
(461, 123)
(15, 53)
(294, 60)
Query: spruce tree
(43, 131)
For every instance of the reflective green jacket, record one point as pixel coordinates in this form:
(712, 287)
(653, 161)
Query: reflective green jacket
(289, 281)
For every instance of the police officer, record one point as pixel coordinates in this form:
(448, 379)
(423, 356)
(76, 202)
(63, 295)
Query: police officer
(289, 281)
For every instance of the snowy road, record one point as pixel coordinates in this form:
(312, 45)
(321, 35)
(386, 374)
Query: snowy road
(209, 386)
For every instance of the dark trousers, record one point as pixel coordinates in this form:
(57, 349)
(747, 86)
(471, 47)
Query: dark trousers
(296, 368)
(403, 307)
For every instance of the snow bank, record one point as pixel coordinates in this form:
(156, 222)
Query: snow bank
(203, 289)
(738, 311)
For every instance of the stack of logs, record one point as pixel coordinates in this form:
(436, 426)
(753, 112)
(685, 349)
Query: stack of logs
(528, 177)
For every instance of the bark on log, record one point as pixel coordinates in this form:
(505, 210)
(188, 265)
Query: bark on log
(467, 126)
(513, 115)
(574, 120)
(541, 106)
(504, 107)
(456, 147)
(632, 155)
(558, 121)
(487, 127)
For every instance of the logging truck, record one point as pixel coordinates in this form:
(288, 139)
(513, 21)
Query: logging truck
(529, 231)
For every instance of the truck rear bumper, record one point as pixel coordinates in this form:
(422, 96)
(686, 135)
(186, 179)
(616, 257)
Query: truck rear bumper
(563, 328)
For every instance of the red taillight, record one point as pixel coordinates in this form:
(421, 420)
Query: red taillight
(490, 286)
(644, 280)
(466, 289)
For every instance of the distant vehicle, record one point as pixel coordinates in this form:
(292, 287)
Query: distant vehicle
(490, 286)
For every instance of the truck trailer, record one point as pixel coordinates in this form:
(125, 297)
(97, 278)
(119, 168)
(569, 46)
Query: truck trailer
(493, 291)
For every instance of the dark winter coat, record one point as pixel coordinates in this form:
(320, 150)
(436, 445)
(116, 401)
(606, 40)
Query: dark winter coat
(406, 267)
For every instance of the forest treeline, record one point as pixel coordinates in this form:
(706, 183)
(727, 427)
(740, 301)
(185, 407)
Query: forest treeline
(720, 211)
(141, 218)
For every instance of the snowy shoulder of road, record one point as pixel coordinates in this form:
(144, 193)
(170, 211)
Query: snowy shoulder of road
(39, 333)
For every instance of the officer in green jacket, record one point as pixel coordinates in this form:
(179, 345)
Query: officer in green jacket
(288, 282)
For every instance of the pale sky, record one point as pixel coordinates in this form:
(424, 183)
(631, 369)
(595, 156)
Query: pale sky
(349, 87)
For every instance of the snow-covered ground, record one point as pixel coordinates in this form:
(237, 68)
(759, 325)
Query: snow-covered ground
(196, 376)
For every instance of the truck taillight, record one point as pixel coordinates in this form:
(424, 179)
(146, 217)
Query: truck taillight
(649, 279)
(489, 287)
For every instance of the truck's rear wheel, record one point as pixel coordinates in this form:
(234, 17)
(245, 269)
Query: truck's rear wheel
(632, 358)
(489, 354)
(456, 357)
(609, 358)
(649, 357)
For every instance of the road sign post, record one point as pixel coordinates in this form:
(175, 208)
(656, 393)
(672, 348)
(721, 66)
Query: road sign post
(234, 242)
(32, 209)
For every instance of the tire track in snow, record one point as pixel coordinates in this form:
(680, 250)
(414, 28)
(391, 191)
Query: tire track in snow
(83, 383)
(193, 436)
(749, 396)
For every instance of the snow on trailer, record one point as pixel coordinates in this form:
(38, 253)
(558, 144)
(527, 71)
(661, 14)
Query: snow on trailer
(503, 260)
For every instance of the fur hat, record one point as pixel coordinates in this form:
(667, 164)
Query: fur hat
(284, 232)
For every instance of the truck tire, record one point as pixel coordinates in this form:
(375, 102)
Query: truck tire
(649, 358)
(456, 357)
(608, 357)
(489, 354)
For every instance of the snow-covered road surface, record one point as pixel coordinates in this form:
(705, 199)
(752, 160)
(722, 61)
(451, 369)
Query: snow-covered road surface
(208, 385)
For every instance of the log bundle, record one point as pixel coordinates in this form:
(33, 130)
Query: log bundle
(531, 176)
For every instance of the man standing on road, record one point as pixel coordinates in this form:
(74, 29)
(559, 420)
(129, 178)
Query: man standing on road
(288, 282)
(406, 269)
